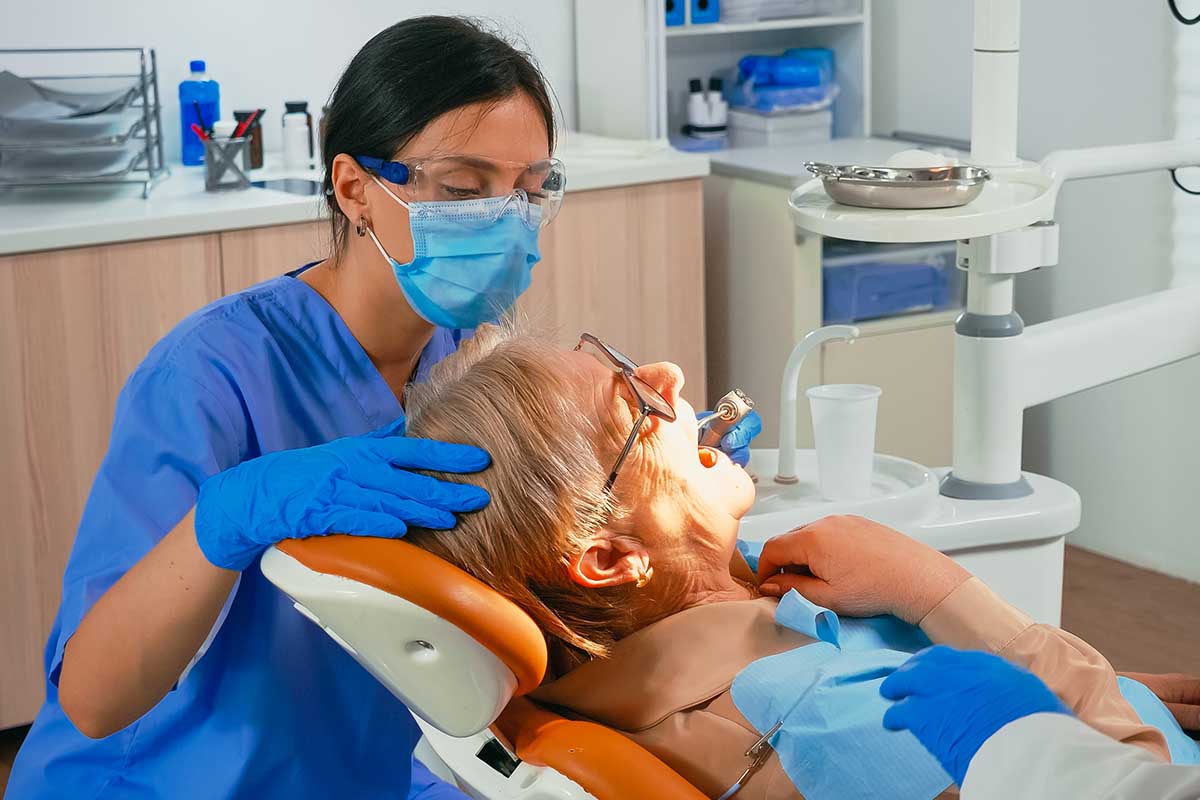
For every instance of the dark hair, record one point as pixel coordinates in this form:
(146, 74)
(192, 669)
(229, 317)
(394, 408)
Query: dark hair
(412, 73)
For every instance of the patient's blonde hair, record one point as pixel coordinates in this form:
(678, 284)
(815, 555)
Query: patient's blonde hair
(501, 392)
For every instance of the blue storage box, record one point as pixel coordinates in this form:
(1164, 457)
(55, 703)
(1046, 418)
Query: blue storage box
(862, 281)
(676, 11)
(705, 11)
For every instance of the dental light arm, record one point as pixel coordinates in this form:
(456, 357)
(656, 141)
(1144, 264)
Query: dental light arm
(1002, 367)
(1126, 159)
(1095, 347)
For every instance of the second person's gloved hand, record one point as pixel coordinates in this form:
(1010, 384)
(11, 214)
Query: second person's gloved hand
(357, 485)
(955, 700)
(736, 443)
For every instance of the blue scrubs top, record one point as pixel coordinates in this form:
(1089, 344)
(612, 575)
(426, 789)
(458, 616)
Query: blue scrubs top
(274, 708)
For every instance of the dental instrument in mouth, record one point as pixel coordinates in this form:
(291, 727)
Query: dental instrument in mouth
(729, 411)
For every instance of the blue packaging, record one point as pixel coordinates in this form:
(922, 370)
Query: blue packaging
(823, 57)
(198, 90)
(676, 10)
(801, 79)
(705, 11)
(881, 282)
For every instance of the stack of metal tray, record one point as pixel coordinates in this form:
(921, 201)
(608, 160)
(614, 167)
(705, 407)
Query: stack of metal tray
(66, 127)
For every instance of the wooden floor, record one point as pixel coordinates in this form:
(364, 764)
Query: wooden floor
(1141, 620)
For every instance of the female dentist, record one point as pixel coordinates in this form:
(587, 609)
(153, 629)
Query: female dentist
(173, 668)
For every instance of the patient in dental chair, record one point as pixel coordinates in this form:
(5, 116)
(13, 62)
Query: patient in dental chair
(655, 623)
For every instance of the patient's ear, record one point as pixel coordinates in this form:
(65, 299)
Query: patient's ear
(609, 560)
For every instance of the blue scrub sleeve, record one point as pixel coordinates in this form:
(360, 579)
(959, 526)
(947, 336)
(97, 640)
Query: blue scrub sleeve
(170, 432)
(427, 786)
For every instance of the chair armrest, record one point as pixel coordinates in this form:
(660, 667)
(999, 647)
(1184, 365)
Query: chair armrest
(605, 763)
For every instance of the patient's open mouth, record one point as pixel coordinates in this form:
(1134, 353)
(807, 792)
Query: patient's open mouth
(708, 457)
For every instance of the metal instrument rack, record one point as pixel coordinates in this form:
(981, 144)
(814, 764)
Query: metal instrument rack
(146, 165)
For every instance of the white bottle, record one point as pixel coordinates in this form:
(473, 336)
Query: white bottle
(697, 108)
(295, 141)
(718, 109)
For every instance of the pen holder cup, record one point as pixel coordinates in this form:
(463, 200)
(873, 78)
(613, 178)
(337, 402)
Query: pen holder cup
(221, 170)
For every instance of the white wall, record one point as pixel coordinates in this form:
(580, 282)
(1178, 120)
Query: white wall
(266, 51)
(1092, 73)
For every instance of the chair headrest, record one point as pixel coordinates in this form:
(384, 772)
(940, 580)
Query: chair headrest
(386, 602)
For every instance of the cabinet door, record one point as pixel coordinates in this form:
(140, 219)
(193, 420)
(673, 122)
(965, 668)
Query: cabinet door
(627, 264)
(257, 254)
(73, 325)
(915, 369)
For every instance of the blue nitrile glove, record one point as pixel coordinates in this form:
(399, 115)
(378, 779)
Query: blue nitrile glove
(358, 485)
(736, 443)
(955, 700)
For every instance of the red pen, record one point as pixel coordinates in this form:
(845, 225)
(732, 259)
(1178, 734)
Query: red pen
(196, 129)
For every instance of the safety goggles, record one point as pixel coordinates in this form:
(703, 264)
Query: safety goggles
(650, 402)
(444, 180)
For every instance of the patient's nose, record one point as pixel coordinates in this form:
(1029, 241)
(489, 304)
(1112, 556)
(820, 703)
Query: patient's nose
(665, 377)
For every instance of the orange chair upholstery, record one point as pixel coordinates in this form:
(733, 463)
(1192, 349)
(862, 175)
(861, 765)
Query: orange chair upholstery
(606, 764)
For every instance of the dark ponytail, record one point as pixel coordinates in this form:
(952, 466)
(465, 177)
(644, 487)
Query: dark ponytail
(412, 73)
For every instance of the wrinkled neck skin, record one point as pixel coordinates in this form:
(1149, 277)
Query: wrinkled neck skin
(693, 574)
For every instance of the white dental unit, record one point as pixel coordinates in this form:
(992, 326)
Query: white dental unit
(1004, 525)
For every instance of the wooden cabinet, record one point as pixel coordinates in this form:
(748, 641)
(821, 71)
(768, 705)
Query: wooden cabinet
(257, 254)
(626, 264)
(73, 325)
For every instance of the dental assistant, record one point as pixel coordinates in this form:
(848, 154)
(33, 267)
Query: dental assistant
(1002, 733)
(173, 668)
(996, 728)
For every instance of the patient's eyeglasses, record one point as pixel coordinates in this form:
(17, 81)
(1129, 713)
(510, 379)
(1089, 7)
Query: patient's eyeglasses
(650, 402)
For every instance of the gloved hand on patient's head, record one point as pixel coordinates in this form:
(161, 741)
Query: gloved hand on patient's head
(736, 443)
(955, 700)
(359, 485)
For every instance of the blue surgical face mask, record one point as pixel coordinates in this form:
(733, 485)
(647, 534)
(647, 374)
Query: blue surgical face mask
(472, 259)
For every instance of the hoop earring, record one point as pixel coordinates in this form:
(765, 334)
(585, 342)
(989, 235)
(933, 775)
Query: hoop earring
(361, 226)
(644, 577)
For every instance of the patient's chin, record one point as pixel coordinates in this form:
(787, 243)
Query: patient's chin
(729, 484)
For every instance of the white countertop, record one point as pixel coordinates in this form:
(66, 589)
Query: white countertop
(783, 165)
(52, 218)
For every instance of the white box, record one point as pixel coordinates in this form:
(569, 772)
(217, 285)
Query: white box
(749, 129)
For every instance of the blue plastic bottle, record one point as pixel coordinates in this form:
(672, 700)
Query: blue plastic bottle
(197, 91)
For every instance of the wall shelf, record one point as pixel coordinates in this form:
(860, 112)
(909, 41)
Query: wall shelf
(633, 72)
(793, 23)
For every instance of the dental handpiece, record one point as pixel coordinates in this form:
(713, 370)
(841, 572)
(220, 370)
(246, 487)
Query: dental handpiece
(729, 411)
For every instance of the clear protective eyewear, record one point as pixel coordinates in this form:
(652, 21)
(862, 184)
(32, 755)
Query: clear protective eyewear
(650, 402)
(444, 180)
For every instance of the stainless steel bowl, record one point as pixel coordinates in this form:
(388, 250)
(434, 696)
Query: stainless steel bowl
(889, 187)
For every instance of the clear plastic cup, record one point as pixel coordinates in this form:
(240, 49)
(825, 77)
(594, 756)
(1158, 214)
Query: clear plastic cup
(843, 418)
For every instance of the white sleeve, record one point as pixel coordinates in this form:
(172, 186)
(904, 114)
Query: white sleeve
(1047, 756)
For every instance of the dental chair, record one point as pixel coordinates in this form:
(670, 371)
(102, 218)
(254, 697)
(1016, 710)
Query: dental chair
(461, 657)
